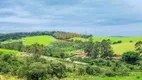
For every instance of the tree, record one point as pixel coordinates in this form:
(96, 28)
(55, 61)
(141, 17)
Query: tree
(36, 49)
(99, 49)
(130, 57)
(138, 46)
(96, 50)
(34, 71)
(106, 50)
(58, 69)
(89, 46)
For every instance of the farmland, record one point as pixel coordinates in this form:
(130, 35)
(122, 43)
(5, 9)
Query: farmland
(128, 43)
(125, 46)
(45, 40)
(7, 51)
(66, 58)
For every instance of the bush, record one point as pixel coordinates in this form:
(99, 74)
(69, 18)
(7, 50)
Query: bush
(35, 71)
(90, 70)
(93, 70)
(81, 71)
(118, 42)
(58, 70)
(131, 41)
(130, 57)
(110, 73)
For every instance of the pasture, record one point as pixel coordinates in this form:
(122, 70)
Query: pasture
(7, 51)
(128, 43)
(115, 39)
(45, 40)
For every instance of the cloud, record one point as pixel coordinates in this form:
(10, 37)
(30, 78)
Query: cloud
(95, 14)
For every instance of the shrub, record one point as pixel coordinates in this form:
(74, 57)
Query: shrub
(58, 69)
(81, 71)
(130, 57)
(35, 71)
(117, 42)
(131, 41)
(110, 73)
(93, 70)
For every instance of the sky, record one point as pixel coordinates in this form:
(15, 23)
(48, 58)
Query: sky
(97, 17)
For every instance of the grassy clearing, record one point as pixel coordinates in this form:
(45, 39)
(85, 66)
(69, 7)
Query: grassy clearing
(6, 51)
(132, 76)
(9, 77)
(118, 48)
(123, 39)
(123, 47)
(45, 40)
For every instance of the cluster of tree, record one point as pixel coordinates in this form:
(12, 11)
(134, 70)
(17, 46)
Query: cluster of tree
(36, 49)
(66, 35)
(13, 46)
(4, 37)
(117, 42)
(98, 49)
(60, 49)
(36, 68)
(27, 67)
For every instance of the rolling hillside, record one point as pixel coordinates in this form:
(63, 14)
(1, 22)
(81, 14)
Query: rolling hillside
(45, 40)
(125, 46)
(7, 51)
(123, 39)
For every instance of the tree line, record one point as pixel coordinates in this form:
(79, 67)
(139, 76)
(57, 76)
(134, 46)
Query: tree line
(56, 34)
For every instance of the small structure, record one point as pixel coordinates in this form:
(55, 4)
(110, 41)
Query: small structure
(116, 56)
(81, 54)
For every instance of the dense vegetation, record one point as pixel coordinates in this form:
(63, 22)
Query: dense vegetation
(56, 34)
(64, 59)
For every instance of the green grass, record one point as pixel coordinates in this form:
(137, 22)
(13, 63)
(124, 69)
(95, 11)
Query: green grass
(123, 47)
(118, 48)
(123, 39)
(9, 77)
(6, 51)
(132, 76)
(45, 40)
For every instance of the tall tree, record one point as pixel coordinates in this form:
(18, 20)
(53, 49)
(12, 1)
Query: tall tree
(96, 50)
(106, 50)
(89, 46)
(138, 46)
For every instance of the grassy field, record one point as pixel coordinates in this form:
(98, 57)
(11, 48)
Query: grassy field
(125, 46)
(6, 51)
(9, 77)
(45, 40)
(123, 39)
(132, 76)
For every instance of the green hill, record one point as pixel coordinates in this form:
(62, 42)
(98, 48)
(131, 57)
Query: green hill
(125, 46)
(123, 39)
(6, 51)
(45, 40)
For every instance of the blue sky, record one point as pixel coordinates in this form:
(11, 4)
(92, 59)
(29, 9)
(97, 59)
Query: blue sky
(98, 17)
